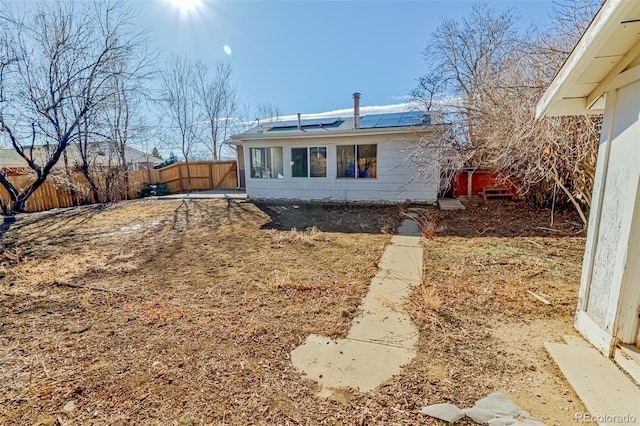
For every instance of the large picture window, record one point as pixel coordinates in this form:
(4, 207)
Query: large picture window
(357, 161)
(309, 162)
(266, 163)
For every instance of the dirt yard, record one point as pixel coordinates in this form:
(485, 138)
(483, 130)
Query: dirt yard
(185, 313)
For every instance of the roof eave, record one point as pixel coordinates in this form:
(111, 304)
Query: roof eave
(604, 23)
(297, 134)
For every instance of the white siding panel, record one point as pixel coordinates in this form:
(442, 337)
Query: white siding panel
(397, 178)
(612, 242)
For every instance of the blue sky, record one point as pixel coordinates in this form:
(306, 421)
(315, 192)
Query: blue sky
(310, 56)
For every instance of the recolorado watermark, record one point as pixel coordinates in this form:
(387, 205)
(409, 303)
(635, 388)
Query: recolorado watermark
(605, 418)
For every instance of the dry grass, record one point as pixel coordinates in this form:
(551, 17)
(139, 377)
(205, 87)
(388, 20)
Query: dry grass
(426, 224)
(477, 319)
(169, 312)
(310, 237)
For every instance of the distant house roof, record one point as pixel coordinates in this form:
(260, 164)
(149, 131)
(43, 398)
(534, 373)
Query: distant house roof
(102, 153)
(9, 158)
(403, 122)
(609, 49)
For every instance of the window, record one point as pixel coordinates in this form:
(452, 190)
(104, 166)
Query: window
(266, 163)
(309, 162)
(299, 163)
(357, 161)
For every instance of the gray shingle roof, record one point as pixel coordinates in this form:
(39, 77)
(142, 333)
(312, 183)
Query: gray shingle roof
(101, 154)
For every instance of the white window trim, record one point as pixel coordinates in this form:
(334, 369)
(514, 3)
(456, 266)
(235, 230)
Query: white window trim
(355, 151)
(270, 148)
(308, 148)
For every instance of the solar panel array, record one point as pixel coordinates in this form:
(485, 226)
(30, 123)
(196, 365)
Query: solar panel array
(311, 122)
(372, 121)
(396, 119)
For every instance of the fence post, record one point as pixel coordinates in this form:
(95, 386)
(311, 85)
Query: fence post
(213, 184)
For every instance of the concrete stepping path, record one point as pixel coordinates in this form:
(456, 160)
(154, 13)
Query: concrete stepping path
(609, 395)
(382, 337)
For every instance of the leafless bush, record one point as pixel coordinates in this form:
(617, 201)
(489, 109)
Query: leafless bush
(488, 78)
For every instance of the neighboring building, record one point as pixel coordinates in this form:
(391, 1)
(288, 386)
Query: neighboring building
(10, 162)
(101, 154)
(370, 158)
(602, 74)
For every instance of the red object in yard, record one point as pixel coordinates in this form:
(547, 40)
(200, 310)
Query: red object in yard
(484, 183)
(14, 171)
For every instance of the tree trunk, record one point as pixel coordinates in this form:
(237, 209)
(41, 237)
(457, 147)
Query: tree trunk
(215, 145)
(186, 162)
(72, 190)
(95, 192)
(125, 178)
(8, 208)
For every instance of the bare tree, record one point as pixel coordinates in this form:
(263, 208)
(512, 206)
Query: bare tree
(219, 101)
(490, 78)
(180, 103)
(55, 71)
(570, 20)
(466, 59)
(85, 161)
(120, 120)
(265, 112)
(440, 148)
(124, 118)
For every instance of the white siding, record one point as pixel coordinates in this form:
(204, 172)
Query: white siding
(611, 224)
(398, 178)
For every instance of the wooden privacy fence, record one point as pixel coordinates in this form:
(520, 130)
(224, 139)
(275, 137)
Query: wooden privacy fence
(56, 193)
(205, 175)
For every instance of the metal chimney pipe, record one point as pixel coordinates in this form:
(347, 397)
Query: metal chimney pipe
(299, 121)
(356, 110)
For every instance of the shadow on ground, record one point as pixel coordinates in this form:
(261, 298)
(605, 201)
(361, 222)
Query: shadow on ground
(326, 217)
(501, 218)
(48, 221)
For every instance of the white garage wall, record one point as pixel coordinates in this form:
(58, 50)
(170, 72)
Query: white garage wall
(611, 223)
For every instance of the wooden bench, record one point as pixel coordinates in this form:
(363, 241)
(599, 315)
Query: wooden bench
(495, 193)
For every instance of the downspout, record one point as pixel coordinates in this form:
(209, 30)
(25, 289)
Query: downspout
(238, 167)
(356, 125)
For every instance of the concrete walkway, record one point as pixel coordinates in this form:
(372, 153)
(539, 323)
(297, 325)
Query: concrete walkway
(450, 204)
(609, 395)
(382, 337)
(207, 195)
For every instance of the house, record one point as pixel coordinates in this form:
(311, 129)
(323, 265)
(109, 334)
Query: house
(602, 75)
(373, 158)
(101, 154)
(10, 162)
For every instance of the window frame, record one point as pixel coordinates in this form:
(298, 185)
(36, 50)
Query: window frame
(279, 174)
(355, 156)
(308, 158)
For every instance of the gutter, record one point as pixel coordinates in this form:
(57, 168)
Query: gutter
(237, 139)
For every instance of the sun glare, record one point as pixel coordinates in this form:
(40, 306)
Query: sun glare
(186, 6)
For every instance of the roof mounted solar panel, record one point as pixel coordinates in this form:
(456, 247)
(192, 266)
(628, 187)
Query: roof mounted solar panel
(370, 121)
(284, 124)
(396, 119)
(413, 119)
(306, 124)
(389, 120)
